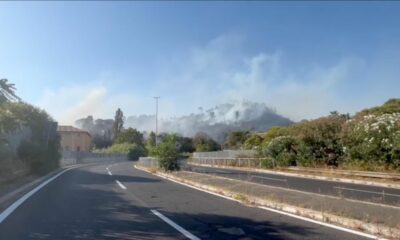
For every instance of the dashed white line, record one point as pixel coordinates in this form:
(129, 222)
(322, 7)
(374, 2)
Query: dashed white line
(174, 225)
(120, 184)
(358, 190)
(278, 211)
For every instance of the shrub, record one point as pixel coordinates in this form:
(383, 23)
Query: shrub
(253, 142)
(283, 150)
(237, 138)
(373, 142)
(119, 148)
(39, 157)
(167, 153)
(320, 141)
(137, 151)
(204, 143)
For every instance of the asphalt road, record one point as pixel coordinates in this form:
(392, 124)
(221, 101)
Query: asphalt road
(389, 196)
(89, 203)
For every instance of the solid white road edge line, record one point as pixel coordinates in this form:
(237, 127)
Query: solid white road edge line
(120, 184)
(281, 212)
(174, 225)
(17, 203)
(365, 191)
(274, 179)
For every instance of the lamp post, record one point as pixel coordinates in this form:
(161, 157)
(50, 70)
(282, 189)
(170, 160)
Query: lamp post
(156, 98)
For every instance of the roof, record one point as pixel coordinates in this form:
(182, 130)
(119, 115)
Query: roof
(71, 129)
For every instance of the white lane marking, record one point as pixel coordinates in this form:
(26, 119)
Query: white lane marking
(275, 179)
(16, 204)
(358, 190)
(281, 212)
(109, 173)
(120, 184)
(174, 225)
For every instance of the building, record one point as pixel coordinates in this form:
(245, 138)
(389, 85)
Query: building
(74, 139)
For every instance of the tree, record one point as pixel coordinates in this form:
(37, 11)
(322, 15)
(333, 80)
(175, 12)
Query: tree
(118, 123)
(203, 143)
(151, 141)
(237, 138)
(130, 135)
(7, 91)
(167, 153)
(186, 144)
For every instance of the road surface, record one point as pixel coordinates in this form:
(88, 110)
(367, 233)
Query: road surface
(121, 202)
(389, 196)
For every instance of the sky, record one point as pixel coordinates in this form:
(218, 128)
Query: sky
(303, 59)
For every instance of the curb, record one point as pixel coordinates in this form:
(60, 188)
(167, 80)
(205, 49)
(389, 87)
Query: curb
(369, 230)
(332, 179)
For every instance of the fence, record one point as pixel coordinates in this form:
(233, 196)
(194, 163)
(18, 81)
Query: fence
(231, 162)
(228, 154)
(71, 157)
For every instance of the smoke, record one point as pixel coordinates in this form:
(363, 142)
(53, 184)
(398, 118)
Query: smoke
(215, 122)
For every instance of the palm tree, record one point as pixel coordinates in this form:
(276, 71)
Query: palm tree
(7, 91)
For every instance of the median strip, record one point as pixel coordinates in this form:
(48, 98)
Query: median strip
(174, 225)
(328, 211)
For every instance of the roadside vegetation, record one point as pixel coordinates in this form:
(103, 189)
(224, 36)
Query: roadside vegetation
(28, 137)
(369, 140)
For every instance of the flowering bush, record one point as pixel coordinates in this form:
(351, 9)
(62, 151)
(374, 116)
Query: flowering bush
(372, 142)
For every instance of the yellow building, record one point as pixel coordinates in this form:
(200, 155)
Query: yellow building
(74, 139)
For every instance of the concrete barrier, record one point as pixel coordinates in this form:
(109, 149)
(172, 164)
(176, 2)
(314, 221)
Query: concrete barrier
(71, 158)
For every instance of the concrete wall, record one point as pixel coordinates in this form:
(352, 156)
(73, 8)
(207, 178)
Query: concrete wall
(72, 157)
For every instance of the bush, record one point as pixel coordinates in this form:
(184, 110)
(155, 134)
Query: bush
(320, 143)
(372, 142)
(120, 148)
(167, 153)
(130, 135)
(137, 151)
(253, 142)
(283, 151)
(204, 143)
(39, 157)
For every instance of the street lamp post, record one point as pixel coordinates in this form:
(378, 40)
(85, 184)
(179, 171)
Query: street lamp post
(156, 98)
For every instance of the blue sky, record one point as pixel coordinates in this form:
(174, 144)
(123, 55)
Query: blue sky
(303, 59)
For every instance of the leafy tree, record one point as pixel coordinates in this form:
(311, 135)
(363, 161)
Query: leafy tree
(130, 135)
(185, 144)
(203, 143)
(118, 123)
(7, 91)
(237, 138)
(253, 142)
(151, 141)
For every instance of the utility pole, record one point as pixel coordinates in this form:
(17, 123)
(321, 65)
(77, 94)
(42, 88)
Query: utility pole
(156, 98)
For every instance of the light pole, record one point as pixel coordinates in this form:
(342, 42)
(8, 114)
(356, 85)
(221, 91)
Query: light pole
(156, 98)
